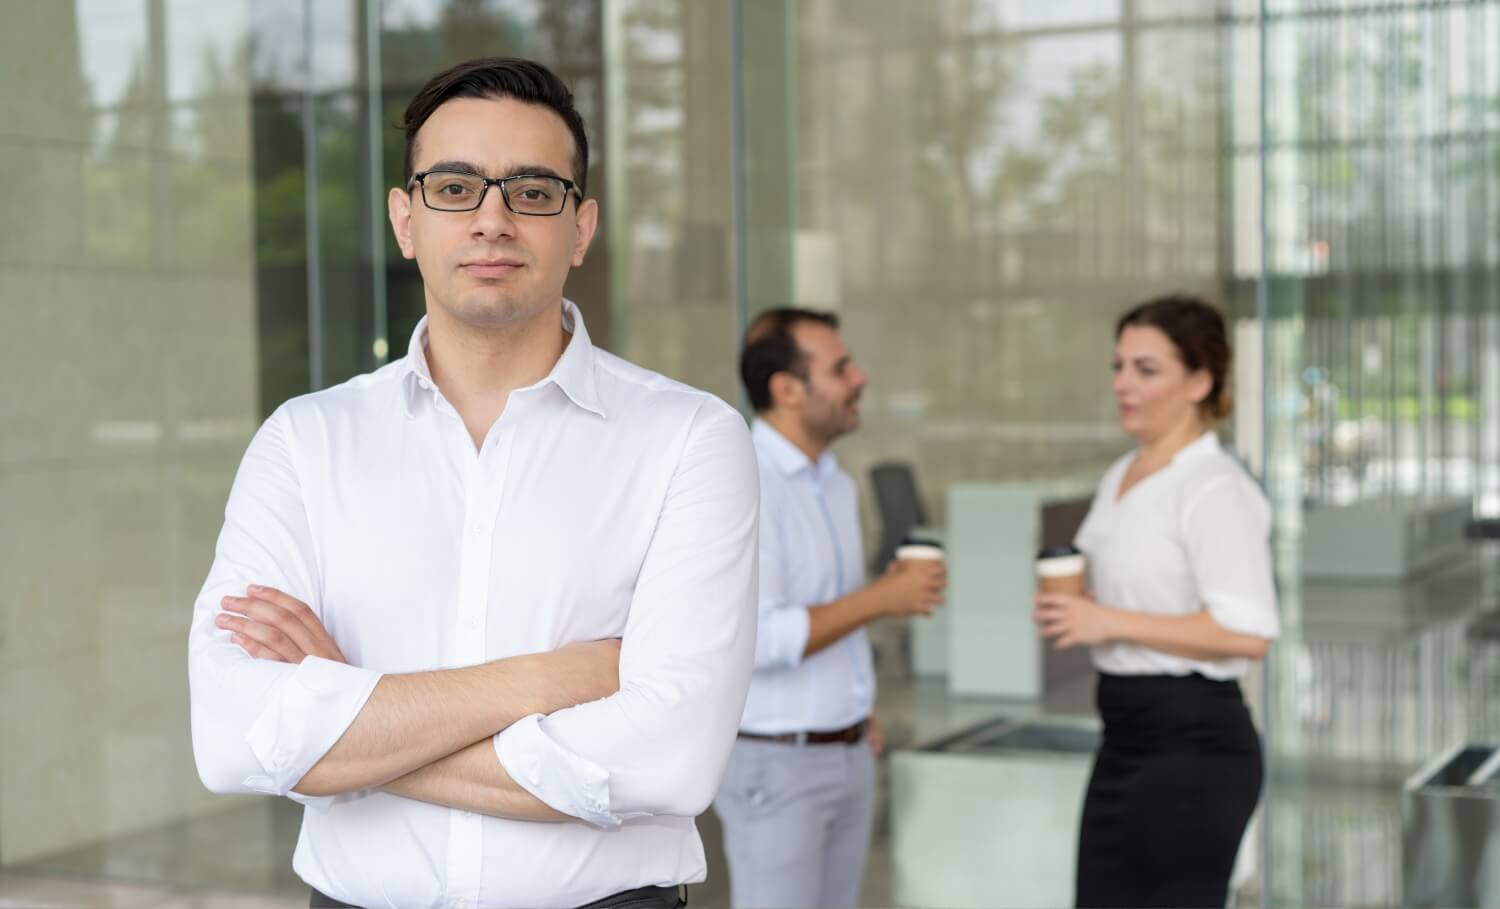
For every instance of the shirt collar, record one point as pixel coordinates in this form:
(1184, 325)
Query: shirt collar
(1208, 443)
(573, 372)
(779, 451)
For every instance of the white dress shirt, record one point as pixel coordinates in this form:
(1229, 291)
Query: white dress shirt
(810, 555)
(606, 502)
(1194, 535)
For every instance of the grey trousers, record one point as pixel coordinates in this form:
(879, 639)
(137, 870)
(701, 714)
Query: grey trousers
(797, 822)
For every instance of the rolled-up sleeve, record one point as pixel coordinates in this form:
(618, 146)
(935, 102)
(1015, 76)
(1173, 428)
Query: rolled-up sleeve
(1227, 526)
(660, 745)
(782, 623)
(260, 725)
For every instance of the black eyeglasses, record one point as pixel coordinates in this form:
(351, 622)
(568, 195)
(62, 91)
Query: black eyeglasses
(524, 194)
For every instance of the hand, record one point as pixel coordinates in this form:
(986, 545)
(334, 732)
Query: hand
(272, 625)
(875, 735)
(912, 586)
(1073, 621)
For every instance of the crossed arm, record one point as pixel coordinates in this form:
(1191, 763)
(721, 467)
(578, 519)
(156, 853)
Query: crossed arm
(426, 735)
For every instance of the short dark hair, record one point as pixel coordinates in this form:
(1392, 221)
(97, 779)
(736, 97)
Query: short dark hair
(1196, 328)
(770, 348)
(499, 77)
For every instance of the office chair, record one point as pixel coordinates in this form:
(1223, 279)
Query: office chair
(900, 507)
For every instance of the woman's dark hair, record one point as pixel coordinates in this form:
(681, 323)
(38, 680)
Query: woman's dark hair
(499, 77)
(1196, 328)
(770, 348)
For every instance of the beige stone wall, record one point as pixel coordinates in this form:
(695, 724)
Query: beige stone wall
(127, 333)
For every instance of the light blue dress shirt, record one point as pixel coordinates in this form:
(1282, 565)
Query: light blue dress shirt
(810, 555)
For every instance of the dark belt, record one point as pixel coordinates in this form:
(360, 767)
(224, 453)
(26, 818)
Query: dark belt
(639, 898)
(846, 736)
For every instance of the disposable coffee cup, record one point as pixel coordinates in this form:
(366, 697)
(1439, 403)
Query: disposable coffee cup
(1061, 569)
(920, 549)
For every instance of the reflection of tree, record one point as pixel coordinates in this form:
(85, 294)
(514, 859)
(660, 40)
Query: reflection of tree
(1057, 180)
(476, 28)
(957, 112)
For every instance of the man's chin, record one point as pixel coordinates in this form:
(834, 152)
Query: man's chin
(493, 310)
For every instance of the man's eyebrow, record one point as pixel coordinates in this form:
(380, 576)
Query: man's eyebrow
(462, 167)
(465, 167)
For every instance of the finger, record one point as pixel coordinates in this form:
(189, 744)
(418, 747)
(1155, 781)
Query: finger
(279, 645)
(277, 617)
(256, 649)
(312, 640)
(264, 635)
(1059, 600)
(296, 607)
(1054, 628)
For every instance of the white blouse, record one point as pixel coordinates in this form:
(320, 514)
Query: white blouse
(1194, 535)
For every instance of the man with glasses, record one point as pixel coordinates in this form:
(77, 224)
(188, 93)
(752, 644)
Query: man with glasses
(489, 611)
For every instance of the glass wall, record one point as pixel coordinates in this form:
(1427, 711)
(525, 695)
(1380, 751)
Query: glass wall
(128, 328)
(1381, 241)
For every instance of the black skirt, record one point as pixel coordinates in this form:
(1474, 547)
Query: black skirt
(1174, 784)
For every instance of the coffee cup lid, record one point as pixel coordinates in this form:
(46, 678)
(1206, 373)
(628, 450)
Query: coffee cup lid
(1058, 552)
(921, 541)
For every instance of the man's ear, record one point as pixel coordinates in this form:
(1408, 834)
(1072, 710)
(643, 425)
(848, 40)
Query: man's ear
(398, 208)
(587, 223)
(787, 390)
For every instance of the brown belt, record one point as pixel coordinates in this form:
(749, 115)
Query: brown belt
(846, 736)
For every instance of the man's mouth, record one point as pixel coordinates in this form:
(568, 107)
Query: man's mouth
(493, 268)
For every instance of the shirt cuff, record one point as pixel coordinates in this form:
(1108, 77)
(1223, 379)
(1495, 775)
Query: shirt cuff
(781, 639)
(303, 721)
(1243, 616)
(565, 781)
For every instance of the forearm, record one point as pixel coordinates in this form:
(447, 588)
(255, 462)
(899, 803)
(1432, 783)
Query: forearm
(473, 779)
(1195, 637)
(828, 623)
(412, 720)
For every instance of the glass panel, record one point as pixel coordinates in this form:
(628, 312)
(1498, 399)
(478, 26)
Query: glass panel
(130, 309)
(670, 209)
(1382, 289)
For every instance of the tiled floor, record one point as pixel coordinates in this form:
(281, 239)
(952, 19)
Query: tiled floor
(1377, 684)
